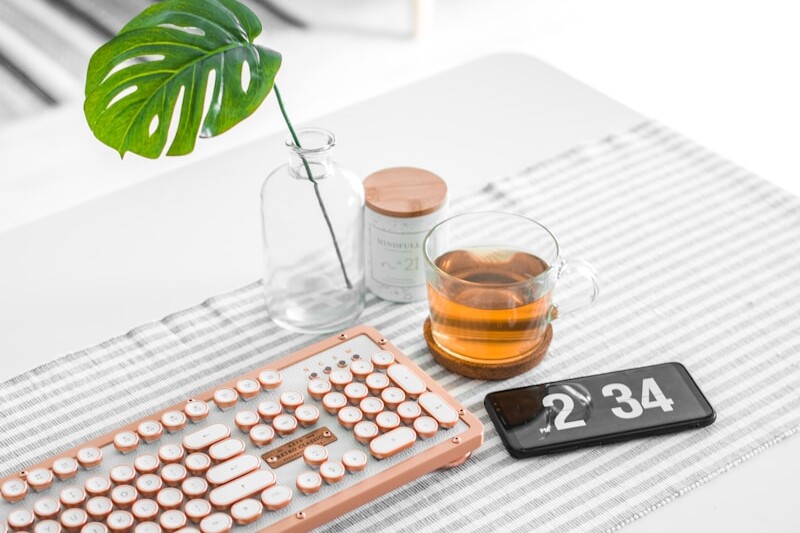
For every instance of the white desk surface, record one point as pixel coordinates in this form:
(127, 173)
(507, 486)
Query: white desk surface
(76, 278)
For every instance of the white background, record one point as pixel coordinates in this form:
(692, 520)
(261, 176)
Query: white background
(723, 72)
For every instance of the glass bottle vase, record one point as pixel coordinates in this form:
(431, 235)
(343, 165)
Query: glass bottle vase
(312, 215)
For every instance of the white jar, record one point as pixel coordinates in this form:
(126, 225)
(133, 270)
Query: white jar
(403, 204)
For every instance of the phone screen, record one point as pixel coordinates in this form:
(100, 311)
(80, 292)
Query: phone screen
(598, 409)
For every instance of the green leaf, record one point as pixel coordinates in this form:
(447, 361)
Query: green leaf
(165, 55)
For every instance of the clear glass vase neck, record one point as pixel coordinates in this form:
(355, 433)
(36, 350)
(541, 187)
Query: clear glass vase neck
(314, 154)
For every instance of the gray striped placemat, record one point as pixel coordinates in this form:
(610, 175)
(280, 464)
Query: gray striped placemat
(699, 263)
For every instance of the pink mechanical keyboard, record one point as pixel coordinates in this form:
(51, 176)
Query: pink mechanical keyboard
(287, 447)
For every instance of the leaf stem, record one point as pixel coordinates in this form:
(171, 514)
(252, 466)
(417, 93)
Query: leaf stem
(316, 186)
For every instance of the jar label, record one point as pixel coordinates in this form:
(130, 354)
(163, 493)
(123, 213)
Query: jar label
(397, 257)
(396, 270)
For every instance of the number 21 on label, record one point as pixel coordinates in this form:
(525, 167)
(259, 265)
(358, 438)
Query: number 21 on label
(651, 397)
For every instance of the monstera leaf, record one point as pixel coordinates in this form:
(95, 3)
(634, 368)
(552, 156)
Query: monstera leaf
(190, 54)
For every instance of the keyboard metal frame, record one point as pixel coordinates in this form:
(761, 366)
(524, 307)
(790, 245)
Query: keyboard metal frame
(450, 452)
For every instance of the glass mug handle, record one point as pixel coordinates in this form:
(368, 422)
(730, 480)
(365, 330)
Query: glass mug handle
(576, 268)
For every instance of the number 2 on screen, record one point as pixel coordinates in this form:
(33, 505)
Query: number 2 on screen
(651, 397)
(566, 408)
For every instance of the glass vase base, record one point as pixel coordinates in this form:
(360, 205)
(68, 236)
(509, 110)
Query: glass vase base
(300, 317)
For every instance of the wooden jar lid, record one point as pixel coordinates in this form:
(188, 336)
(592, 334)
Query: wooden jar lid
(405, 192)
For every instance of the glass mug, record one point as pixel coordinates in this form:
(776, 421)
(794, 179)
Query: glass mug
(490, 280)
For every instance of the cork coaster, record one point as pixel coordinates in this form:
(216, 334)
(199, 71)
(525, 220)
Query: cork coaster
(486, 370)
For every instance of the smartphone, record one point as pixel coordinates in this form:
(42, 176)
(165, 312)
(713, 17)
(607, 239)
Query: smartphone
(600, 409)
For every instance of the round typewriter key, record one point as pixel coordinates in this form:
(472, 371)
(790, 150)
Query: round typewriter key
(342, 363)
(20, 519)
(371, 406)
(172, 520)
(169, 498)
(147, 527)
(170, 453)
(148, 485)
(197, 509)
(291, 400)
(39, 479)
(14, 490)
(144, 510)
(248, 388)
(382, 360)
(146, 464)
(315, 455)
(270, 379)
(327, 370)
(226, 449)
(72, 496)
(392, 397)
(333, 401)
(122, 475)
(123, 496)
(99, 507)
(284, 425)
(269, 410)
(120, 521)
(361, 368)
(45, 508)
(97, 486)
(65, 468)
(340, 377)
(174, 474)
(94, 527)
(387, 421)
(246, 511)
(261, 435)
(188, 529)
(318, 388)
(225, 398)
(89, 457)
(409, 411)
(306, 415)
(426, 427)
(197, 463)
(309, 482)
(246, 420)
(276, 497)
(196, 410)
(376, 382)
(194, 487)
(354, 460)
(332, 471)
(173, 421)
(216, 523)
(365, 431)
(48, 526)
(74, 519)
(356, 392)
(349, 416)
(126, 441)
(150, 430)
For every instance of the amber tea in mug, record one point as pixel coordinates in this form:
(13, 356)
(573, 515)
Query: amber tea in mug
(490, 282)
